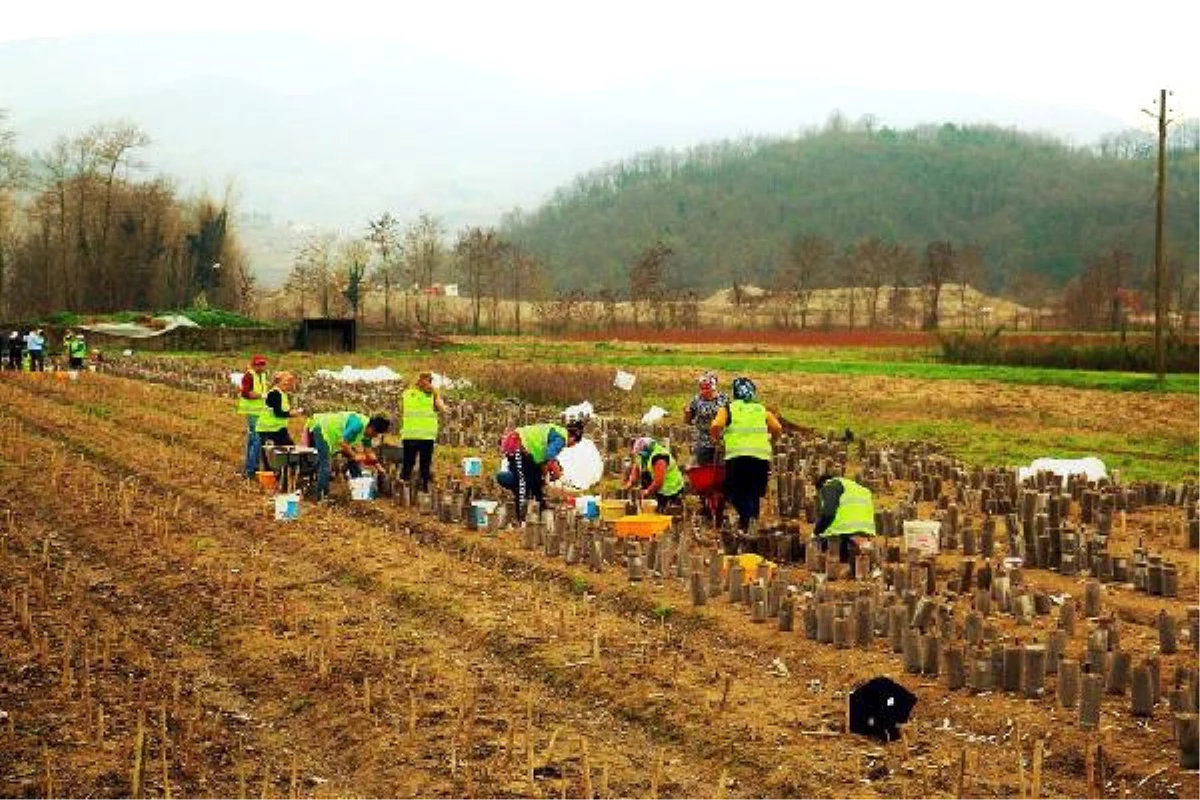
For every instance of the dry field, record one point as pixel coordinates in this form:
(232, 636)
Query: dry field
(161, 635)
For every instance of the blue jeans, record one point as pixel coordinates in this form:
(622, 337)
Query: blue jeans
(253, 447)
(324, 463)
(323, 466)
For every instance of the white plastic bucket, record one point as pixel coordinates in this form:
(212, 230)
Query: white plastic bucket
(588, 506)
(472, 466)
(362, 488)
(922, 535)
(287, 505)
(480, 509)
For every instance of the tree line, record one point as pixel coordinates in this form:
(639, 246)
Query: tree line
(404, 263)
(84, 228)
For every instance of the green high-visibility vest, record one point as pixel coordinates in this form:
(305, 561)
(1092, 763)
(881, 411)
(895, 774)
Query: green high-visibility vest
(533, 439)
(747, 433)
(332, 424)
(78, 348)
(855, 512)
(673, 482)
(255, 407)
(267, 421)
(420, 419)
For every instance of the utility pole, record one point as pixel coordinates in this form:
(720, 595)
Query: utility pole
(1159, 202)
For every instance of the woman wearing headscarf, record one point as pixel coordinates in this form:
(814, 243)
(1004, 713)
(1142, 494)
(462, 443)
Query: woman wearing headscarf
(748, 431)
(531, 457)
(656, 473)
(700, 413)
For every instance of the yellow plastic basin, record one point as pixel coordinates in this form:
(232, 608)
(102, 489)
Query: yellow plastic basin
(642, 526)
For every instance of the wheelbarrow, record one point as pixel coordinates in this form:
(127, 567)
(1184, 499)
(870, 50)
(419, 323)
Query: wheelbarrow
(294, 467)
(708, 482)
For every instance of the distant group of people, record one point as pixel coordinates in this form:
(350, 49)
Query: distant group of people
(745, 431)
(266, 403)
(26, 350)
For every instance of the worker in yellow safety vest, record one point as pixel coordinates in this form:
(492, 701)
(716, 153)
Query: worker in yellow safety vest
(531, 456)
(656, 473)
(420, 405)
(272, 424)
(251, 405)
(77, 351)
(845, 512)
(748, 430)
(347, 432)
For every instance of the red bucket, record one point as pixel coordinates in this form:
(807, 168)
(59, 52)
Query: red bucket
(706, 479)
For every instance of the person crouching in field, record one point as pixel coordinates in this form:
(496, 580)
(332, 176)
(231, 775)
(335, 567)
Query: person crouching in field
(347, 432)
(272, 424)
(845, 513)
(531, 454)
(419, 406)
(656, 473)
(748, 430)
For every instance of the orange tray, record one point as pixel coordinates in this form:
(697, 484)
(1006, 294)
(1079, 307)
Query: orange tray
(642, 526)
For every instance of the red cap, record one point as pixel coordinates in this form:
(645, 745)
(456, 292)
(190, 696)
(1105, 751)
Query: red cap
(258, 361)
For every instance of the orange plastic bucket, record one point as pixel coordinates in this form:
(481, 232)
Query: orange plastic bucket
(267, 480)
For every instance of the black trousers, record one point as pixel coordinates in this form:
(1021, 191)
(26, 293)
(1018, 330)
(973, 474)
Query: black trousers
(524, 480)
(415, 449)
(745, 486)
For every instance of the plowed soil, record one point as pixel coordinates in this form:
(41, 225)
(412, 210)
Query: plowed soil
(162, 635)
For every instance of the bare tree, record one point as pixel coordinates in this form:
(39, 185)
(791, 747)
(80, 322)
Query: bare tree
(524, 274)
(809, 260)
(941, 262)
(113, 146)
(646, 284)
(870, 264)
(312, 273)
(902, 262)
(423, 257)
(971, 272)
(384, 233)
(477, 257)
(1097, 298)
(13, 175)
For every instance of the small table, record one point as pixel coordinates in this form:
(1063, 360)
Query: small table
(291, 463)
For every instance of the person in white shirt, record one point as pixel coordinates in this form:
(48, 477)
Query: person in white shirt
(35, 343)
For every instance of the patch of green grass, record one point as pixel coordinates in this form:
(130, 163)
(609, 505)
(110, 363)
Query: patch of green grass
(916, 363)
(99, 410)
(202, 543)
(662, 611)
(579, 585)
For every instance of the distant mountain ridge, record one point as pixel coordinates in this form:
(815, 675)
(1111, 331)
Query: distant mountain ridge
(331, 131)
(734, 211)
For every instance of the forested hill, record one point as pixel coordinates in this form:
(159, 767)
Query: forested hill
(1020, 203)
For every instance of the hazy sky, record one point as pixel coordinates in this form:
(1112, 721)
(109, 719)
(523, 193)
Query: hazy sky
(1084, 54)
